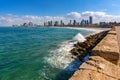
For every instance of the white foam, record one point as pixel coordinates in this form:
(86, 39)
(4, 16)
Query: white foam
(79, 37)
(61, 57)
(94, 30)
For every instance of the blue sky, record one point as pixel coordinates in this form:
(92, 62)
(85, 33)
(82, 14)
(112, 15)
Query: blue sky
(57, 7)
(39, 11)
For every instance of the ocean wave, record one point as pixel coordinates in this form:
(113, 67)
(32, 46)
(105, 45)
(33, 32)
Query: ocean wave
(61, 57)
(79, 37)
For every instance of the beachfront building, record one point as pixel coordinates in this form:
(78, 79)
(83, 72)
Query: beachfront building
(61, 23)
(90, 20)
(50, 23)
(74, 22)
(56, 23)
(84, 22)
(70, 23)
(30, 24)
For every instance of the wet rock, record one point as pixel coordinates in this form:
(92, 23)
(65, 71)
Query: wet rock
(73, 57)
(83, 48)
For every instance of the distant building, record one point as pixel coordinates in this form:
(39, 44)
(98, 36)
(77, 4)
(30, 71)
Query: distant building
(87, 22)
(25, 25)
(50, 23)
(105, 25)
(102, 23)
(30, 24)
(45, 23)
(70, 22)
(56, 23)
(74, 22)
(61, 23)
(83, 22)
(90, 20)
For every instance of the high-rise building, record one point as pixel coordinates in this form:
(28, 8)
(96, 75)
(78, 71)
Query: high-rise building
(74, 22)
(45, 23)
(25, 25)
(56, 23)
(83, 22)
(50, 23)
(87, 22)
(30, 24)
(90, 20)
(70, 22)
(61, 23)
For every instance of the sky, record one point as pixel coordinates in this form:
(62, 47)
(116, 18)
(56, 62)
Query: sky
(38, 11)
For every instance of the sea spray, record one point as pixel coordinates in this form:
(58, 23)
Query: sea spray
(79, 37)
(61, 57)
(22, 55)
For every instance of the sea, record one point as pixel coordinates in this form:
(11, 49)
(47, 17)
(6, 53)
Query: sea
(39, 53)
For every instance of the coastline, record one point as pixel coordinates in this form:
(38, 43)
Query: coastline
(103, 64)
(95, 30)
(61, 62)
(82, 49)
(69, 62)
(74, 27)
(80, 27)
(68, 45)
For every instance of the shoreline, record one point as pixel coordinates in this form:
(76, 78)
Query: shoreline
(82, 49)
(64, 27)
(79, 27)
(103, 63)
(69, 63)
(94, 30)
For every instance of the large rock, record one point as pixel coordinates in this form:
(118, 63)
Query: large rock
(83, 48)
(108, 48)
(97, 68)
(103, 63)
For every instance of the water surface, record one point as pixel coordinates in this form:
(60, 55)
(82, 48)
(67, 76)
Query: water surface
(23, 52)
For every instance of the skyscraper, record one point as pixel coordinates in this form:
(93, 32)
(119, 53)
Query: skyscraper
(90, 20)
(61, 23)
(70, 22)
(74, 22)
(56, 23)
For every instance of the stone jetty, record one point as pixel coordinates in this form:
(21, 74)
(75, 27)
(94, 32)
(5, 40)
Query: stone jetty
(104, 60)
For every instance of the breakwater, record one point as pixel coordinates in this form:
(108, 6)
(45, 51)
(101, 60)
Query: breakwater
(83, 49)
(38, 53)
(103, 63)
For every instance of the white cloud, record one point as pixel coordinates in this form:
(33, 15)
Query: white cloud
(9, 19)
(90, 13)
(100, 16)
(74, 15)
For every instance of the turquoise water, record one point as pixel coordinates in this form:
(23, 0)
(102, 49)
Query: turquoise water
(23, 52)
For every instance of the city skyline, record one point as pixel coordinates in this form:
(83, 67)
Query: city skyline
(37, 11)
(83, 22)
